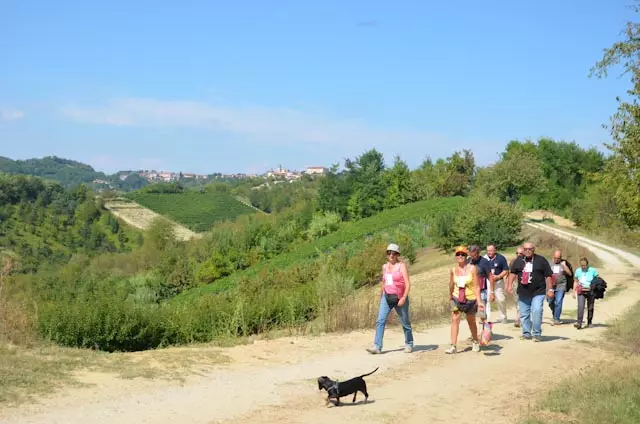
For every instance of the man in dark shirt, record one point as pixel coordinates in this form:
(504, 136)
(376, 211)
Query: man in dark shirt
(499, 270)
(484, 276)
(534, 281)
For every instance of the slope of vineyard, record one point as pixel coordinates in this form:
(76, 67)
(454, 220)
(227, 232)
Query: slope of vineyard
(195, 210)
(358, 231)
(141, 217)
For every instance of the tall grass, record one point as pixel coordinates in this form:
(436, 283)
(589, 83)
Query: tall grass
(16, 323)
(354, 312)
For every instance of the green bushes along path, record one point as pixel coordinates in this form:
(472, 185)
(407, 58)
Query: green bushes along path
(349, 232)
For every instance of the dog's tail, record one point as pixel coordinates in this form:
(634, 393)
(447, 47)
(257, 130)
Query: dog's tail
(364, 375)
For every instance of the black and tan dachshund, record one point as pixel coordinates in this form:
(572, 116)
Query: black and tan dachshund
(335, 390)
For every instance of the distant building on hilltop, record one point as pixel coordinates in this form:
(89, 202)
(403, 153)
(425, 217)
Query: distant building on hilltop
(192, 176)
(283, 173)
(316, 170)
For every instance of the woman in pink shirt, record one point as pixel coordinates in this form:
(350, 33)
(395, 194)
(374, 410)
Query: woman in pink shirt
(394, 295)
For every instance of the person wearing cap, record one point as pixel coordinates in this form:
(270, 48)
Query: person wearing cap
(464, 295)
(394, 294)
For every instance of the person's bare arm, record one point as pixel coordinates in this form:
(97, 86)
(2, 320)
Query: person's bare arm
(451, 284)
(382, 283)
(476, 287)
(548, 273)
(510, 279)
(407, 283)
(550, 291)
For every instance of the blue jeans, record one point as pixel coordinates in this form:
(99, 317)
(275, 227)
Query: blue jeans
(383, 314)
(531, 309)
(556, 304)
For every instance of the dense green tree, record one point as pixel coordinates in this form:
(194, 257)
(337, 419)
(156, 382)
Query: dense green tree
(364, 177)
(333, 192)
(517, 175)
(401, 185)
(622, 176)
(453, 176)
(545, 174)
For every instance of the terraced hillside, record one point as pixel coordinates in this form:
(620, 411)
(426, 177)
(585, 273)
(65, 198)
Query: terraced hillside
(141, 217)
(195, 210)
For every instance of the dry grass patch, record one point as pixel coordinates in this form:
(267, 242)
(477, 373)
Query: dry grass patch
(546, 216)
(428, 298)
(28, 372)
(547, 243)
(606, 392)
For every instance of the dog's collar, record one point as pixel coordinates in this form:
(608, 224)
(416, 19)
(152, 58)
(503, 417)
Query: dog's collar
(335, 386)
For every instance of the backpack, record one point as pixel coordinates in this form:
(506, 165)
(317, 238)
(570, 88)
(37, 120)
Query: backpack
(569, 278)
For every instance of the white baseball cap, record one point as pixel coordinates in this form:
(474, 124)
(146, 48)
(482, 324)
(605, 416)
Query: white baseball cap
(393, 247)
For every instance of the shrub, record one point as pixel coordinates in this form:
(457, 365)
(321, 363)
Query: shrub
(102, 322)
(482, 221)
(323, 224)
(331, 286)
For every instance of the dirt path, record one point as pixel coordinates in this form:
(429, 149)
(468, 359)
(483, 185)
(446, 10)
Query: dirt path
(274, 381)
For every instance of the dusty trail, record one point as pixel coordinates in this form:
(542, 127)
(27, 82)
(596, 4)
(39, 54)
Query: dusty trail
(274, 381)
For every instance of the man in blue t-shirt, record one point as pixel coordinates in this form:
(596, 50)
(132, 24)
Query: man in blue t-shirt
(484, 275)
(499, 270)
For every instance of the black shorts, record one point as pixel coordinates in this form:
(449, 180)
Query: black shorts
(470, 307)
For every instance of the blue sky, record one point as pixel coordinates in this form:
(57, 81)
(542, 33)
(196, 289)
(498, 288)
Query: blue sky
(223, 86)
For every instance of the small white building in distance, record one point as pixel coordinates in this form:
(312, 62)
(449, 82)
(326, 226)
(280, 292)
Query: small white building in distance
(316, 170)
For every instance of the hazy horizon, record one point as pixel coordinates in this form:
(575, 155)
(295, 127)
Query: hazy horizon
(246, 86)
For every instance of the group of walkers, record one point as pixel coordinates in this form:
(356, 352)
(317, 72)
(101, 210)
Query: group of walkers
(476, 280)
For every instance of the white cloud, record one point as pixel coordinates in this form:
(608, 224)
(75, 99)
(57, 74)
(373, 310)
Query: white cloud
(281, 125)
(11, 114)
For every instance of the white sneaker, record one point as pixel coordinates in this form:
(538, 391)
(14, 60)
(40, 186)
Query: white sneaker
(373, 350)
(476, 347)
(408, 349)
(451, 350)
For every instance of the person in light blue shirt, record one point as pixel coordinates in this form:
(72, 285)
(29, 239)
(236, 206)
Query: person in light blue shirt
(583, 278)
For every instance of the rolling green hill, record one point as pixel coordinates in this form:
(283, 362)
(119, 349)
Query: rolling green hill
(198, 211)
(66, 172)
